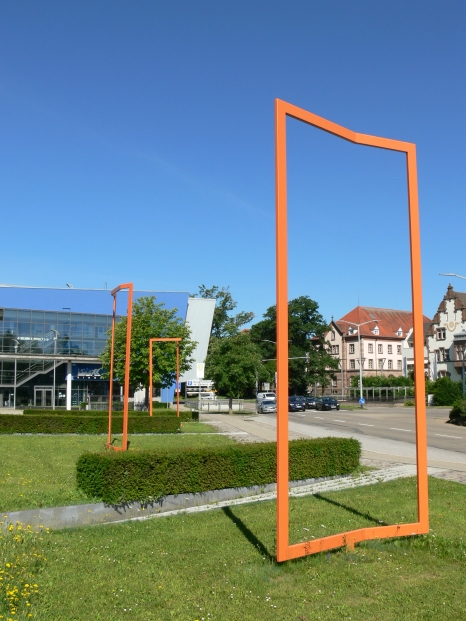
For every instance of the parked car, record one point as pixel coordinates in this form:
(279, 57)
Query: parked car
(310, 403)
(296, 404)
(266, 406)
(327, 403)
(266, 395)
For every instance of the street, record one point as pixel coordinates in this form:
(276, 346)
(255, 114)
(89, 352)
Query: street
(389, 423)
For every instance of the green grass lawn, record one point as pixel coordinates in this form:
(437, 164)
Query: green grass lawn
(220, 565)
(39, 471)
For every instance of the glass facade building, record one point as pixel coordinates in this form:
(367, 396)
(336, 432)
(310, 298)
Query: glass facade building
(59, 333)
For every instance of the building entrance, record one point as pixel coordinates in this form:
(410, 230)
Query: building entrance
(42, 397)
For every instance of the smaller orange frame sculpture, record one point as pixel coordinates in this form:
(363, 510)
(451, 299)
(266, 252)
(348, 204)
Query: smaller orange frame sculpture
(164, 340)
(285, 551)
(124, 442)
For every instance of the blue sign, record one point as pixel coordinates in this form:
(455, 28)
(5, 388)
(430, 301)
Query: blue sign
(362, 401)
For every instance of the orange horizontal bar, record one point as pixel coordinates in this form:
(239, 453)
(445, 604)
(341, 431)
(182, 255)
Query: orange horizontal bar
(120, 287)
(342, 132)
(353, 536)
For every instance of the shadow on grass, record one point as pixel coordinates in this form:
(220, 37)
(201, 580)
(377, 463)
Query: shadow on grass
(366, 516)
(249, 535)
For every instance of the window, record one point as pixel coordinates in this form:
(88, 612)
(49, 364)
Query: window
(399, 365)
(375, 330)
(380, 348)
(332, 336)
(371, 363)
(352, 364)
(390, 364)
(335, 349)
(351, 348)
(370, 348)
(390, 349)
(441, 334)
(440, 354)
(381, 363)
(398, 349)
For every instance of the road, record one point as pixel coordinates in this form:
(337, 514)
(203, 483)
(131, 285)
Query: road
(389, 423)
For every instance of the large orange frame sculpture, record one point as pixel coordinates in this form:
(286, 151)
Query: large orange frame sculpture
(285, 551)
(124, 442)
(165, 339)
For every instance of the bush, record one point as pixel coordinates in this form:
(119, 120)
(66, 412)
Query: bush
(77, 423)
(146, 475)
(445, 391)
(459, 409)
(185, 416)
(409, 404)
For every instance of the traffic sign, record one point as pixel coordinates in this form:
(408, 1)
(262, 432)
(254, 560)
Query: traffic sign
(362, 401)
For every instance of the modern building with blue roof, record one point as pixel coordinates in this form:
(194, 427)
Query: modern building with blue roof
(52, 337)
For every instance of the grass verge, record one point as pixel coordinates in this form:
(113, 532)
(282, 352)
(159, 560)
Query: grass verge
(40, 471)
(220, 565)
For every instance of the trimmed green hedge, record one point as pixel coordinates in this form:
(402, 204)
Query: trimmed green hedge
(146, 475)
(11, 423)
(185, 416)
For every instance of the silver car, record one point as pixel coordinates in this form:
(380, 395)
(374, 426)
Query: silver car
(266, 406)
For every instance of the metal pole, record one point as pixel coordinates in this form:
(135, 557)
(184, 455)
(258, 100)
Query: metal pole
(464, 350)
(199, 388)
(14, 383)
(14, 390)
(360, 366)
(342, 389)
(54, 365)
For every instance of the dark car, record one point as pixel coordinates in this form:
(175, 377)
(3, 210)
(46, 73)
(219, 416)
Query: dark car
(310, 403)
(327, 403)
(296, 404)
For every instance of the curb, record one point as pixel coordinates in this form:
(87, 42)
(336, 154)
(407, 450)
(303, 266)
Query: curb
(100, 513)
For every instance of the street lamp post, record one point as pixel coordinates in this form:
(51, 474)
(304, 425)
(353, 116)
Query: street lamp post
(462, 369)
(457, 275)
(361, 360)
(56, 333)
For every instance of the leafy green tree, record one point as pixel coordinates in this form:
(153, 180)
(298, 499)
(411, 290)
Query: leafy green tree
(150, 320)
(308, 350)
(234, 364)
(224, 324)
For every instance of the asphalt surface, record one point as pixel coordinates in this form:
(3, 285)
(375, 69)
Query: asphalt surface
(389, 423)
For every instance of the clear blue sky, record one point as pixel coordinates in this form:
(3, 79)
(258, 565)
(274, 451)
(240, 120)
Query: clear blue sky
(137, 145)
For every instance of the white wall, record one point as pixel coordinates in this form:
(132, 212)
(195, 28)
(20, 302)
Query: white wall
(199, 318)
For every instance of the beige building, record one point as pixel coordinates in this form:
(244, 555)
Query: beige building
(446, 336)
(383, 335)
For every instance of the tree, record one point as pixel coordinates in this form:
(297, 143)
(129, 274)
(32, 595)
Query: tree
(224, 324)
(234, 364)
(309, 358)
(150, 320)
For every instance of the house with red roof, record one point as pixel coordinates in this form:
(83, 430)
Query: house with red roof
(374, 339)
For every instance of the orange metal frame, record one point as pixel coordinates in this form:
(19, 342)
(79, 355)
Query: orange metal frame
(156, 340)
(285, 551)
(124, 443)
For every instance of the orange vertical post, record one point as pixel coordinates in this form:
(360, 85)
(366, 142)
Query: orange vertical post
(285, 551)
(164, 340)
(124, 442)
(151, 390)
(110, 388)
